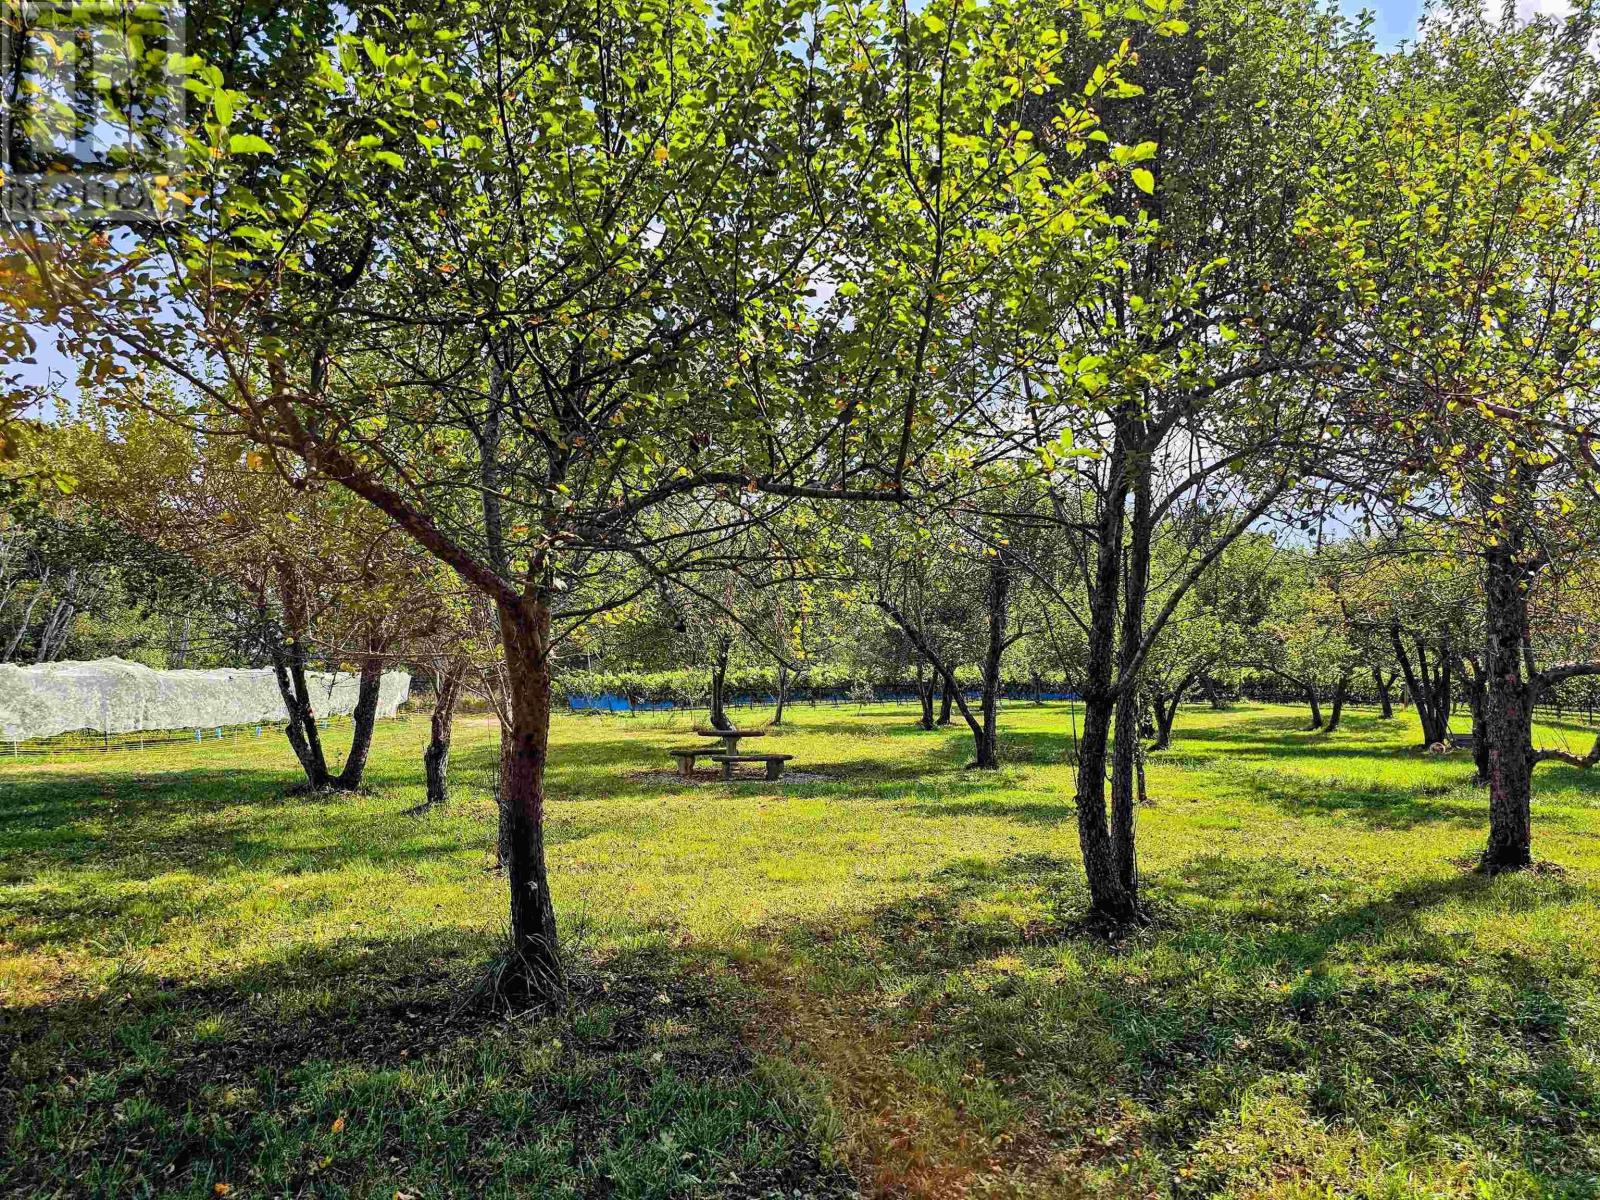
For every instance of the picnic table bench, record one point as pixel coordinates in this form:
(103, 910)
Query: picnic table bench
(724, 749)
(687, 754)
(774, 763)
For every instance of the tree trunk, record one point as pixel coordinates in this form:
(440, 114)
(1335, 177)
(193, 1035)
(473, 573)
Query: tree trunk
(1208, 685)
(1316, 705)
(1337, 713)
(1480, 743)
(436, 758)
(1167, 709)
(1508, 711)
(1128, 737)
(1110, 897)
(362, 718)
(502, 803)
(719, 679)
(925, 698)
(536, 971)
(1385, 700)
(988, 750)
(946, 697)
(27, 617)
(288, 654)
(783, 694)
(1166, 714)
(179, 658)
(1138, 762)
(1472, 683)
(1430, 696)
(931, 657)
(58, 625)
(305, 739)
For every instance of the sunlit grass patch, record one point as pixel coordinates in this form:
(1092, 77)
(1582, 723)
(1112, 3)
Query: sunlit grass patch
(878, 980)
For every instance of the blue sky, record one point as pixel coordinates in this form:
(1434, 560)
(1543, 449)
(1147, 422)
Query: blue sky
(1396, 19)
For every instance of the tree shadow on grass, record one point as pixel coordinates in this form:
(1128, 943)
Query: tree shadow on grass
(609, 769)
(1380, 805)
(1281, 1027)
(206, 821)
(360, 1067)
(1002, 807)
(1040, 747)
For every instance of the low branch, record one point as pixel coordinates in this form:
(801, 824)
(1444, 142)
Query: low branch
(1556, 675)
(1583, 763)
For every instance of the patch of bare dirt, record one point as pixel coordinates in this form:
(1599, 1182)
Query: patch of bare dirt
(704, 777)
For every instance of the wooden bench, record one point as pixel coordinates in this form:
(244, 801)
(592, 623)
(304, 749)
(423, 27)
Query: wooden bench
(774, 763)
(687, 754)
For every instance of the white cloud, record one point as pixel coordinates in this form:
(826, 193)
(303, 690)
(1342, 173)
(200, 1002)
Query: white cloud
(1528, 9)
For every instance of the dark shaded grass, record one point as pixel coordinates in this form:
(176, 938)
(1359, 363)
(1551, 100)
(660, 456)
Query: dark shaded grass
(367, 1069)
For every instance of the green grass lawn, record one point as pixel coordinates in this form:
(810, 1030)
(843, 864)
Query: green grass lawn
(874, 983)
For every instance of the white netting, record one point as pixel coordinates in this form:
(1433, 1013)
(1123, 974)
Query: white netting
(112, 695)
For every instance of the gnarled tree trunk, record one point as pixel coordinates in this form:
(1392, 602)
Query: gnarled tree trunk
(362, 718)
(1340, 691)
(925, 698)
(1385, 687)
(535, 950)
(1507, 709)
(1127, 751)
(436, 758)
(288, 668)
(719, 682)
(287, 650)
(1113, 891)
(1428, 683)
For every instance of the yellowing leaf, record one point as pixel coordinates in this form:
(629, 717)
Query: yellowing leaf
(1144, 181)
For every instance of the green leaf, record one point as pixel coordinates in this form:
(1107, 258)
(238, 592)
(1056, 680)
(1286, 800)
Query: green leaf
(1144, 181)
(249, 143)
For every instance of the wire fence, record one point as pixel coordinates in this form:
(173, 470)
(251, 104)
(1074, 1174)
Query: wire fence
(1579, 709)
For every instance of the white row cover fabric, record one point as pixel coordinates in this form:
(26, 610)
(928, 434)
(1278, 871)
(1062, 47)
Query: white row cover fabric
(113, 695)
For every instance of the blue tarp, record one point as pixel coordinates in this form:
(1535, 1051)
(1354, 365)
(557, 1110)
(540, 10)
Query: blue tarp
(611, 702)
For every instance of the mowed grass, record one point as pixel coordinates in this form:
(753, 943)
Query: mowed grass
(876, 983)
